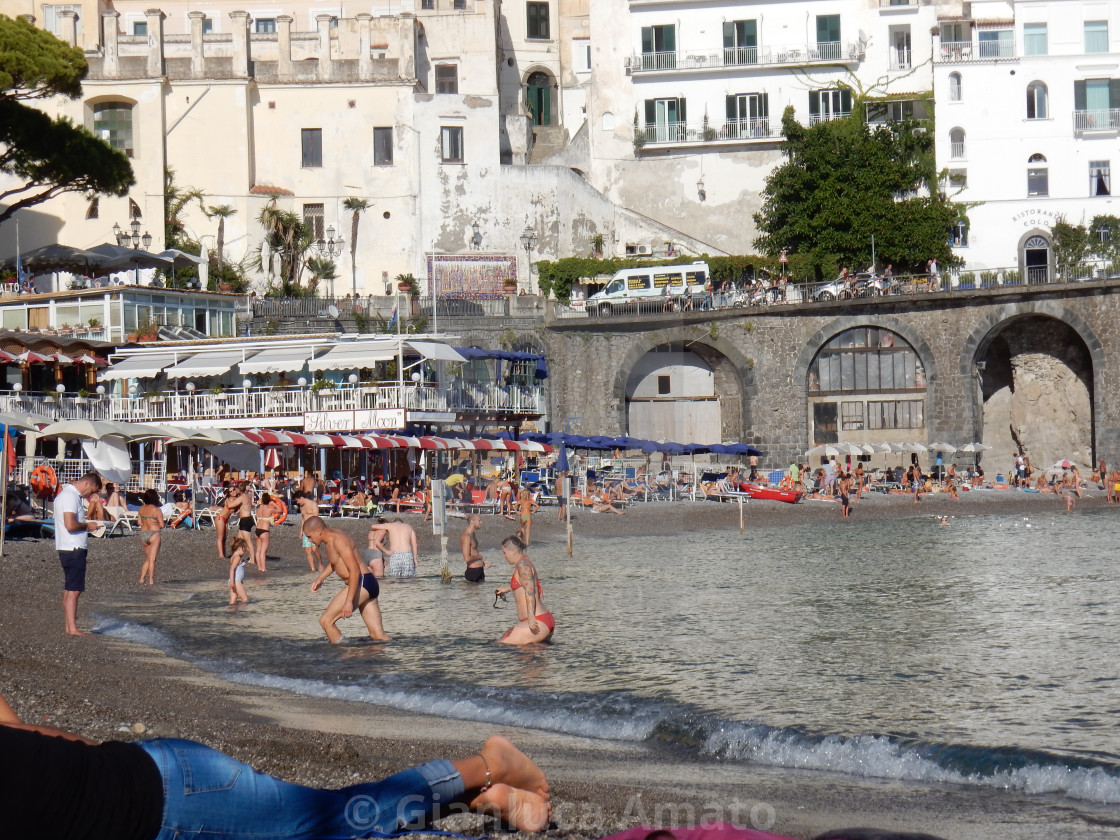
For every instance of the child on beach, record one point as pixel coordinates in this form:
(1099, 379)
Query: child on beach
(526, 507)
(239, 550)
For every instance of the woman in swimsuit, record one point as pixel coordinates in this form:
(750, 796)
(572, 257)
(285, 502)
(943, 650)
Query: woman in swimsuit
(526, 507)
(534, 622)
(224, 511)
(238, 558)
(151, 523)
(245, 515)
(267, 511)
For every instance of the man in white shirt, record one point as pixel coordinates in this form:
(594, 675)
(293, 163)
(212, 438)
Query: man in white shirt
(71, 534)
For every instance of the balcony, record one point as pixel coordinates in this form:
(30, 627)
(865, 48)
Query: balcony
(835, 115)
(1097, 119)
(956, 151)
(286, 407)
(901, 59)
(963, 52)
(680, 134)
(827, 52)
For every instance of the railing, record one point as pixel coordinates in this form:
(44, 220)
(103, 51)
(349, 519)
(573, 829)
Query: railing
(955, 52)
(756, 129)
(956, 151)
(901, 59)
(888, 3)
(755, 295)
(707, 58)
(997, 49)
(678, 132)
(265, 404)
(496, 307)
(1098, 119)
(835, 115)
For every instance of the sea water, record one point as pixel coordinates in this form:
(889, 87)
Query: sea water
(982, 653)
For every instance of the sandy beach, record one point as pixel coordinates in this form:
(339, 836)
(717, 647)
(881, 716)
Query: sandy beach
(111, 689)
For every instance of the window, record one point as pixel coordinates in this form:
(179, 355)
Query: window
(829, 105)
(896, 414)
(851, 416)
(382, 146)
(447, 78)
(958, 178)
(139, 27)
(997, 43)
(313, 219)
(900, 53)
(312, 139)
(93, 211)
(264, 26)
(1034, 39)
(207, 25)
(663, 385)
(1100, 177)
(581, 55)
(1038, 176)
(1036, 101)
(459, 5)
(427, 4)
(666, 121)
(748, 115)
(134, 209)
(112, 122)
(867, 359)
(828, 36)
(451, 143)
(1096, 36)
(956, 90)
(659, 47)
(894, 110)
(1096, 104)
(53, 23)
(740, 42)
(536, 16)
(956, 144)
(958, 234)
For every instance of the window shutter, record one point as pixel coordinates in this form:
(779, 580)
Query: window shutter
(1080, 100)
(729, 35)
(651, 112)
(669, 34)
(1114, 93)
(815, 103)
(731, 111)
(750, 37)
(764, 106)
(647, 39)
(680, 110)
(846, 101)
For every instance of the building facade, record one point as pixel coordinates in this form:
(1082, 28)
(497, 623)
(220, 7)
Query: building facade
(1028, 98)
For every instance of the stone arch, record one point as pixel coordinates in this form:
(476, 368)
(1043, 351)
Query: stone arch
(1021, 255)
(539, 86)
(734, 369)
(995, 321)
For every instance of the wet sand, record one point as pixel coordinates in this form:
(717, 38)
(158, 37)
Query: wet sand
(108, 688)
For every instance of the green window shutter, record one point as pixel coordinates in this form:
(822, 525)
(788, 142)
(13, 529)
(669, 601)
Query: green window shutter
(764, 106)
(729, 35)
(647, 39)
(731, 111)
(669, 34)
(1114, 94)
(1080, 100)
(846, 101)
(815, 103)
(828, 28)
(651, 112)
(681, 117)
(750, 33)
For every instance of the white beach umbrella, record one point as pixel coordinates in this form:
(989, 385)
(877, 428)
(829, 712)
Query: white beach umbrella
(825, 449)
(91, 429)
(942, 447)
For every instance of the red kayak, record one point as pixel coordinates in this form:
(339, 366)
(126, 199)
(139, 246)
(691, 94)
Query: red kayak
(757, 491)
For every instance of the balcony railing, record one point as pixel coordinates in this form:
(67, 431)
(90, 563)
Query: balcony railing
(269, 405)
(956, 52)
(1098, 119)
(956, 151)
(825, 52)
(834, 115)
(901, 59)
(679, 133)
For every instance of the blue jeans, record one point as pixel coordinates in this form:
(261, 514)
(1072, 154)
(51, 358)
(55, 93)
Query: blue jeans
(207, 794)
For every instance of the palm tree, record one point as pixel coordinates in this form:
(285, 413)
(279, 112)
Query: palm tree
(355, 206)
(286, 239)
(223, 212)
(321, 268)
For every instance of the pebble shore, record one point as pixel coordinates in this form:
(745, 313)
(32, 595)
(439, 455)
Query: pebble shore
(110, 689)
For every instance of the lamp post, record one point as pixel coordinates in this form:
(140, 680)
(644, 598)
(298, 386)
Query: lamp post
(132, 239)
(528, 240)
(330, 247)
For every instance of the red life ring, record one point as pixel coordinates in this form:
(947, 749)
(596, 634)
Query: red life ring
(178, 520)
(279, 520)
(44, 482)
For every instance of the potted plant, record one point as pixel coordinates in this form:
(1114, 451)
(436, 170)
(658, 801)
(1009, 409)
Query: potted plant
(407, 284)
(154, 396)
(597, 243)
(94, 323)
(83, 396)
(322, 386)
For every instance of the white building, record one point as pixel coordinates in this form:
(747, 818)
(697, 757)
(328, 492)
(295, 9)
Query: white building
(417, 106)
(1028, 122)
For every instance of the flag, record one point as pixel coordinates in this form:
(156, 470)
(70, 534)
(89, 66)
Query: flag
(10, 451)
(393, 318)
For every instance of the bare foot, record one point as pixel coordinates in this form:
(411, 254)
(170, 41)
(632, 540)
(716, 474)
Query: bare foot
(74, 633)
(510, 766)
(522, 809)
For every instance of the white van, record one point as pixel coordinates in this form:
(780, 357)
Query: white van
(633, 285)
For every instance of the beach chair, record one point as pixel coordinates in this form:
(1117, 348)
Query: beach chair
(127, 522)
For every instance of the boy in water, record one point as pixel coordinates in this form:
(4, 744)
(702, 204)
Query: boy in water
(361, 586)
(308, 507)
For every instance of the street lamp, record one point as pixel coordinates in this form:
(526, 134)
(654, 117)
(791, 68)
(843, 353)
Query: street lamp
(132, 238)
(330, 247)
(476, 237)
(528, 240)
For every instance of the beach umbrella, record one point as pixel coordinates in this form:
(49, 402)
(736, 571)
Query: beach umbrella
(29, 421)
(428, 442)
(57, 257)
(320, 440)
(826, 449)
(379, 442)
(942, 447)
(30, 357)
(90, 429)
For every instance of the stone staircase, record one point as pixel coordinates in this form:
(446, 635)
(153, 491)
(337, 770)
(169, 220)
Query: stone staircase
(547, 141)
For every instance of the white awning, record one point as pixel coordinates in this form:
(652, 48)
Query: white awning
(207, 363)
(137, 367)
(276, 360)
(353, 355)
(436, 350)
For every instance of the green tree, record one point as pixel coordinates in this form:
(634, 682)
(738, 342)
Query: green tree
(43, 156)
(220, 212)
(320, 268)
(283, 251)
(355, 206)
(845, 181)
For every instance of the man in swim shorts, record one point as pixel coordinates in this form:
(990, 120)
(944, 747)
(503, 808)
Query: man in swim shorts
(402, 549)
(308, 507)
(361, 589)
(468, 544)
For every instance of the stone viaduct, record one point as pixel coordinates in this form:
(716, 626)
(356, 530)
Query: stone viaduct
(760, 357)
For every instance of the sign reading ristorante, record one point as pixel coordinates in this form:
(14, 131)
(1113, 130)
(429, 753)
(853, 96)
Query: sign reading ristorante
(372, 419)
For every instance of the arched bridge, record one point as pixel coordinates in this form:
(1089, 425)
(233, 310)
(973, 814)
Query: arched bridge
(1032, 368)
